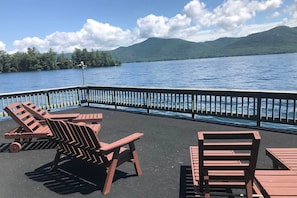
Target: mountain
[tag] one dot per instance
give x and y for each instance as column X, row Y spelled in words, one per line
column 277, row 40
column 156, row 49
column 281, row 39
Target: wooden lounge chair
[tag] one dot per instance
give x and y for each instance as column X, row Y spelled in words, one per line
column 224, row 161
column 41, row 114
column 29, row 127
column 80, row 141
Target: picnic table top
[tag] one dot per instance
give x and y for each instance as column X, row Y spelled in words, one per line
column 163, row 154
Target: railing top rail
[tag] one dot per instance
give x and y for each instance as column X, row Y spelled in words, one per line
column 193, row 90
column 211, row 91
column 38, row 91
column 265, row 93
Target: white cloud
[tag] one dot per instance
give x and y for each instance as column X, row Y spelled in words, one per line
column 197, row 12
column 266, row 5
column 275, row 14
column 153, row 26
column 197, row 23
column 104, row 35
column 93, row 35
column 292, row 10
column 233, row 18
column 2, row 46
column 27, row 42
column 230, row 14
column 159, row 26
column 179, row 26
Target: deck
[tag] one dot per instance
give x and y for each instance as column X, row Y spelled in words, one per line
column 163, row 154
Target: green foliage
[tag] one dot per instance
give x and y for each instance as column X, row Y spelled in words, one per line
column 94, row 58
column 33, row 60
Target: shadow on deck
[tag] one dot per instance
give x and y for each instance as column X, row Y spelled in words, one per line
column 163, row 153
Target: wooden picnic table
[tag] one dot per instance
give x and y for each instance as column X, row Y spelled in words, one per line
column 284, row 158
column 278, row 185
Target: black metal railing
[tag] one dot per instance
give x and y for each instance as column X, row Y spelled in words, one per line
column 259, row 106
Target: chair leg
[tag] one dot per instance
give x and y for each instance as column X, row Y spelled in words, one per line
column 110, row 172
column 249, row 189
column 135, row 159
column 207, row 188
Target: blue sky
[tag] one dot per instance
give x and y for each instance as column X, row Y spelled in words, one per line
column 63, row 25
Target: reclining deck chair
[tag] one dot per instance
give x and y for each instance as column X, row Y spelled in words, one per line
column 41, row 114
column 29, row 127
column 79, row 141
column 224, row 160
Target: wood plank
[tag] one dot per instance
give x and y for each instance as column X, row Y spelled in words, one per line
column 285, row 158
column 277, row 183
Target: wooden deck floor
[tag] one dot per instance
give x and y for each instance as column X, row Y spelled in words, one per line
column 163, row 152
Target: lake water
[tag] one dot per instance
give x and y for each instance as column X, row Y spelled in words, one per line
column 264, row 72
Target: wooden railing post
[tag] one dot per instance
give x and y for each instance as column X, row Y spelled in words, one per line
column 148, row 102
column 115, row 99
column 192, row 106
column 79, row 99
column 47, row 102
column 87, row 96
column 259, row 110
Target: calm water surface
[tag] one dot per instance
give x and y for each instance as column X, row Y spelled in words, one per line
column 267, row 72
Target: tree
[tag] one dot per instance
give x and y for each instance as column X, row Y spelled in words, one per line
column 16, row 62
column 94, row 58
column 63, row 62
column 33, row 60
column 48, row 60
column 76, row 56
column 5, row 61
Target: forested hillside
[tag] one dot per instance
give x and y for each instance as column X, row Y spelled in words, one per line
column 277, row 40
column 32, row 60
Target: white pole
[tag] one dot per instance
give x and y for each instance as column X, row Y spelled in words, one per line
column 83, row 66
column 83, row 75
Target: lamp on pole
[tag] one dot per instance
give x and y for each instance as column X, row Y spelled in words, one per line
column 83, row 66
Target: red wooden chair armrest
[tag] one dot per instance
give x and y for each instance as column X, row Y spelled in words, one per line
column 119, row 143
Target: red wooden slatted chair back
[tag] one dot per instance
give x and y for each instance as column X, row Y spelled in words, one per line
column 23, row 118
column 227, row 167
column 87, row 139
column 37, row 111
column 62, row 137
